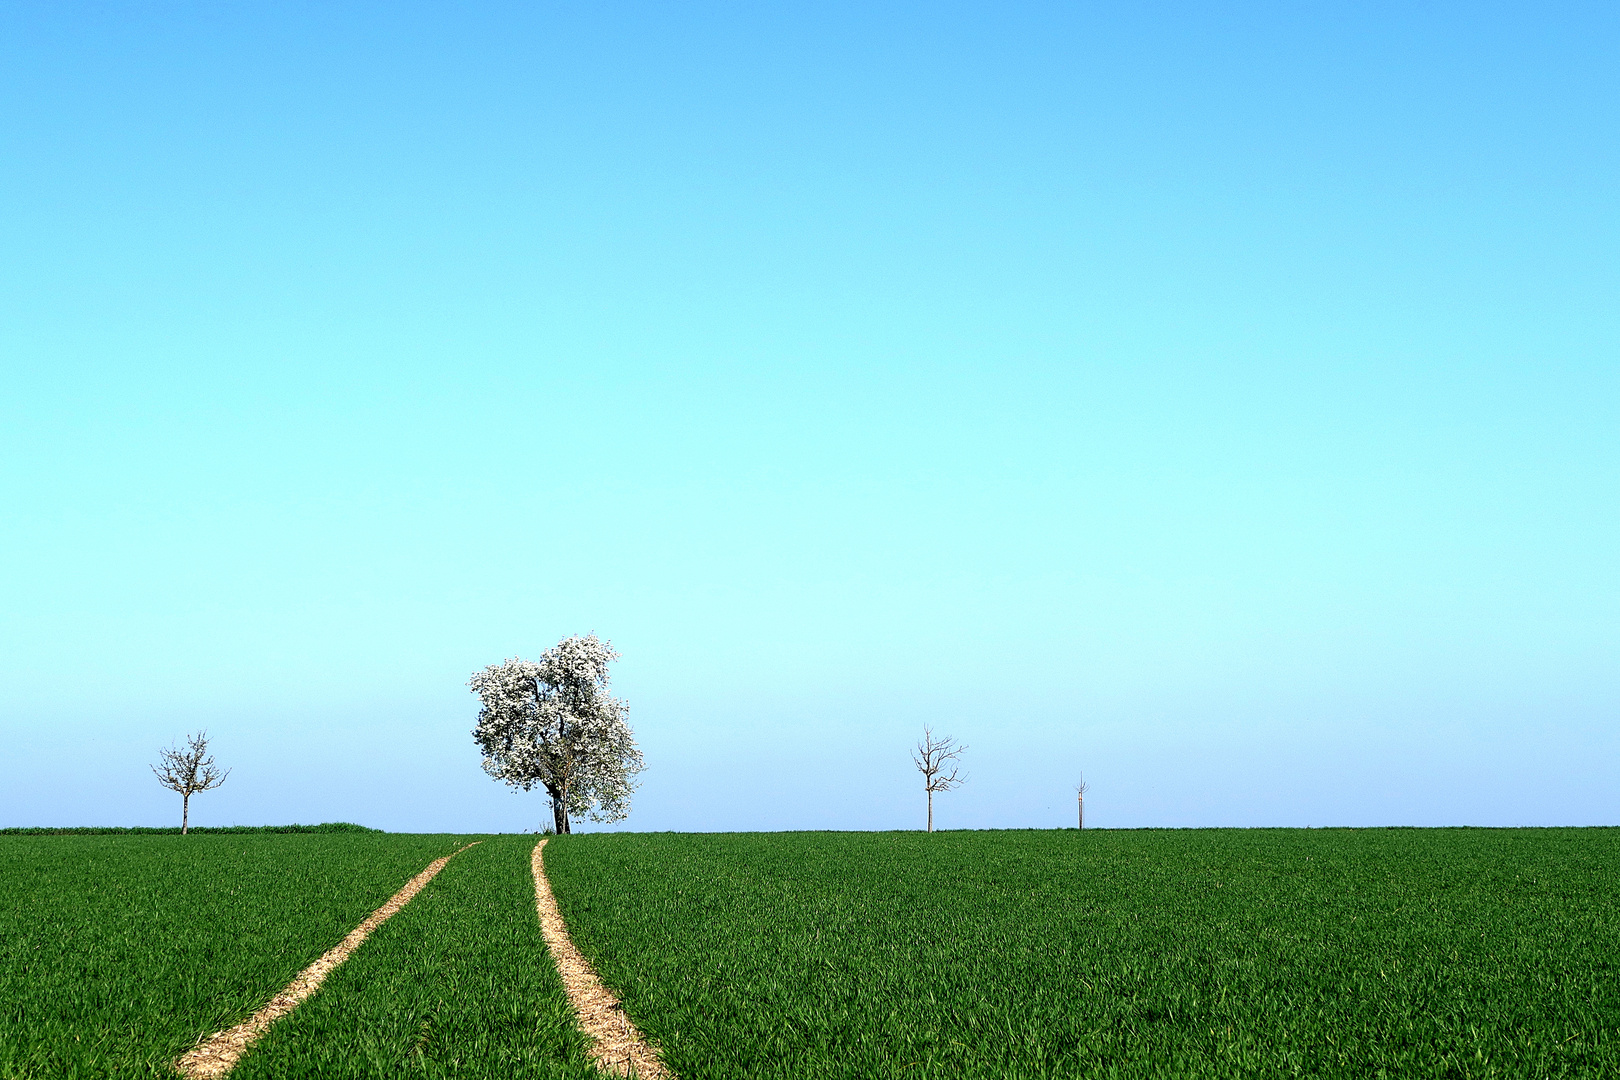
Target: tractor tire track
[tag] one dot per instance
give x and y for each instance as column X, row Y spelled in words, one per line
column 218, row 1054
column 617, row 1047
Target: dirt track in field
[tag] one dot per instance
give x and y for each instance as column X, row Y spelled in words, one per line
column 218, row 1054
column 616, row 1046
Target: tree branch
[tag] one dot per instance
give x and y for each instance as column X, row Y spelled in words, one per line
column 189, row 769
column 936, row 758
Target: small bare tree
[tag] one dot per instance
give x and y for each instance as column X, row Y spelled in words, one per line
column 1080, row 790
column 188, row 771
column 936, row 759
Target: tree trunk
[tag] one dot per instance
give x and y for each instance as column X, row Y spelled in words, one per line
column 930, row 809
column 559, row 814
column 185, row 812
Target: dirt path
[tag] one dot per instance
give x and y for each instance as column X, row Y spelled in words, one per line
column 218, row 1054
column 616, row 1046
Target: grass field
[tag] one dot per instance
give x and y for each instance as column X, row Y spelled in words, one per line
column 1344, row 953
column 1347, row 953
column 196, row 830
column 117, row 952
column 458, row 984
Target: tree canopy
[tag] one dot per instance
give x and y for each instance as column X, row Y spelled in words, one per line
column 552, row 722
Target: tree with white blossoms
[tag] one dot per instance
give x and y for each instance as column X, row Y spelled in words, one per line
column 551, row 722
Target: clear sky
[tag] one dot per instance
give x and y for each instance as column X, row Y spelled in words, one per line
column 1220, row 400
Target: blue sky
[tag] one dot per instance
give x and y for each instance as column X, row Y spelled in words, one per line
column 1218, row 400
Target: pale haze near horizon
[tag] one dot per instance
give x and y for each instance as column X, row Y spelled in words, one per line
column 1220, row 403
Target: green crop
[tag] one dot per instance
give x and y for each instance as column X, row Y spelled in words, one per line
column 117, row 953
column 174, row 830
column 1343, row 953
column 458, row 984
column 1209, row 953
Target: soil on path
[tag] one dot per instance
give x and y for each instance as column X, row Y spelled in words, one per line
column 616, row 1046
column 218, row 1054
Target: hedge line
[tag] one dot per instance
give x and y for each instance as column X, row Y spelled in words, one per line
column 174, row 830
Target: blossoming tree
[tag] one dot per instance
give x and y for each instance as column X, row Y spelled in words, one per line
column 551, row 722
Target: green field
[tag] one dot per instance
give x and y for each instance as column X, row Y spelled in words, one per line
column 175, row 830
column 1353, row 953
column 117, row 952
column 458, row 984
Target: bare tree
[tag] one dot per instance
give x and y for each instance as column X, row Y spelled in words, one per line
column 936, row 759
column 1080, row 790
column 188, row 771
